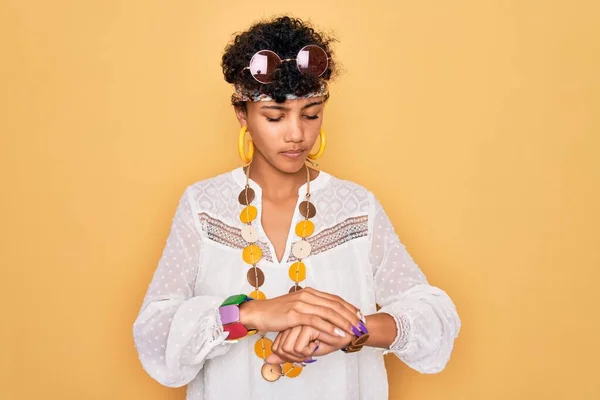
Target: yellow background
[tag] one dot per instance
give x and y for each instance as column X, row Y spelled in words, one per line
column 476, row 123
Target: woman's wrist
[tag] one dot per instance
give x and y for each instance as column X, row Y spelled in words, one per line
column 230, row 315
column 248, row 314
column 382, row 328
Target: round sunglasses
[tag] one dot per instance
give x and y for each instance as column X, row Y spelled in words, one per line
column 311, row 60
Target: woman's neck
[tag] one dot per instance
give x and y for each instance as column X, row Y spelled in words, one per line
column 274, row 183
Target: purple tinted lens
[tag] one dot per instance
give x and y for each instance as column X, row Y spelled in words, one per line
column 263, row 64
column 312, row 60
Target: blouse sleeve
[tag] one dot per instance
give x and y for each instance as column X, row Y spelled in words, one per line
column 177, row 330
column 426, row 319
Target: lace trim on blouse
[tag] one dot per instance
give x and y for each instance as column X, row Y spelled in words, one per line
column 350, row 229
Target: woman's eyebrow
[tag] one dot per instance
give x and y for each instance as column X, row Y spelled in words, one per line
column 314, row 103
column 282, row 108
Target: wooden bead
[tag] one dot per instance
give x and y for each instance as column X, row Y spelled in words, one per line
column 297, row 271
column 295, row 289
column 246, row 196
column 248, row 214
column 305, row 228
column 301, row 249
column 252, row 254
column 250, row 234
column 257, row 295
column 255, row 277
column 307, row 209
column 271, row 372
column 290, row 370
column 262, row 347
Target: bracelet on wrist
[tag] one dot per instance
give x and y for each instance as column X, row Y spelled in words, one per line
column 229, row 312
column 361, row 335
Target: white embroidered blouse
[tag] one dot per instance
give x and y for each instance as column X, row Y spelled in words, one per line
column 356, row 255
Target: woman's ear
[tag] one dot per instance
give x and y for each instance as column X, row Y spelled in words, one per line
column 241, row 114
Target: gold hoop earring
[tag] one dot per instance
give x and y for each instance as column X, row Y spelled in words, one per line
column 323, row 144
column 246, row 158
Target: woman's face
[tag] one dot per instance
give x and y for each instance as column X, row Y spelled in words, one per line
column 283, row 133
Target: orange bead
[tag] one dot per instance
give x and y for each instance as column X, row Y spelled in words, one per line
column 297, row 271
column 262, row 347
column 305, row 228
column 248, row 214
column 291, row 371
column 252, row 254
column 257, row 295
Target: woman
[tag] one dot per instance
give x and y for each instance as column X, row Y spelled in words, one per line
column 317, row 253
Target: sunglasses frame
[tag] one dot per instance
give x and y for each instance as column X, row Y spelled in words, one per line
column 281, row 61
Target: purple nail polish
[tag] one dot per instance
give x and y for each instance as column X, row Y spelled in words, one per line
column 312, row 360
column 316, row 348
column 356, row 331
column 362, row 327
column 361, row 316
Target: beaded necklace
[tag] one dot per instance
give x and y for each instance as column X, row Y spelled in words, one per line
column 252, row 254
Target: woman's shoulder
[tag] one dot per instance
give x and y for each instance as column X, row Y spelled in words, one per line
column 342, row 191
column 345, row 197
column 216, row 195
column 215, row 198
column 348, row 188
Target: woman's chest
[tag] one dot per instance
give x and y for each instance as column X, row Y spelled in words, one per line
column 338, row 262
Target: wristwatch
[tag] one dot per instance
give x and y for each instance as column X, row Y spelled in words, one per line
column 361, row 335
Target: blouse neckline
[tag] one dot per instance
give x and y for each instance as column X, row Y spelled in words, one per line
column 239, row 176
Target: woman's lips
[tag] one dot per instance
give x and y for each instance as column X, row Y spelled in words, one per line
column 293, row 153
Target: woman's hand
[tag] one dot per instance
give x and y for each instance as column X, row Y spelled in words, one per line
column 325, row 312
column 301, row 343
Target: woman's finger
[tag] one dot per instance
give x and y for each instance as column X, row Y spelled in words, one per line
column 278, row 340
column 332, row 297
column 274, row 359
column 331, row 310
column 278, row 346
column 289, row 346
column 318, row 323
column 306, row 344
column 342, row 327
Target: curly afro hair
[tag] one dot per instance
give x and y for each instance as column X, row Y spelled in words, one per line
column 285, row 36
